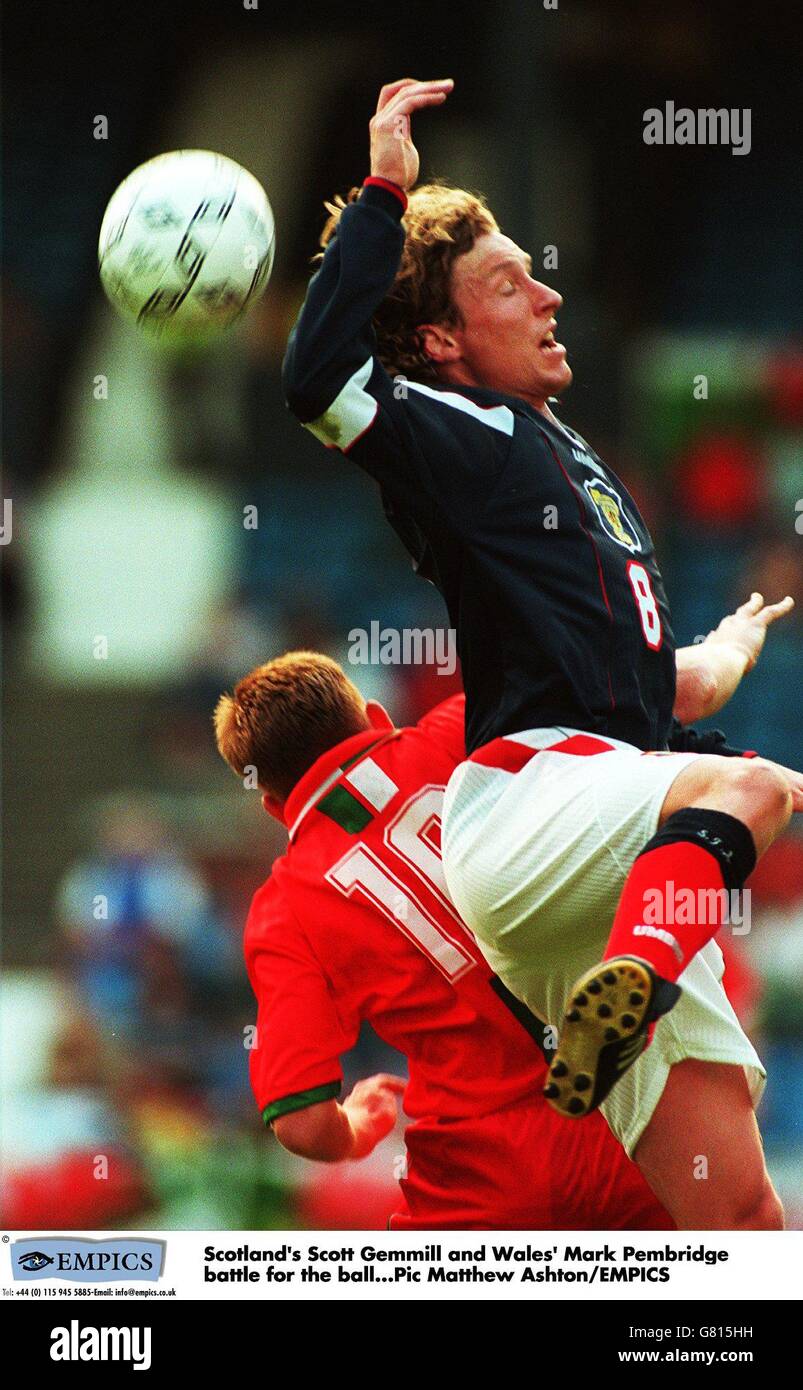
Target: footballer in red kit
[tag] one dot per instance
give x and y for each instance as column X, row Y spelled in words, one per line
column 355, row 923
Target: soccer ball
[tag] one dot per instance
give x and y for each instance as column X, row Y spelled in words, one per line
column 186, row 245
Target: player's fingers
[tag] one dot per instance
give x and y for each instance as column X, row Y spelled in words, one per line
column 752, row 606
column 391, row 88
column 777, row 610
column 410, row 99
column 406, row 85
column 397, row 1084
column 429, row 91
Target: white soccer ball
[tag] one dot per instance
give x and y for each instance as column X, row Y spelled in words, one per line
column 186, row 245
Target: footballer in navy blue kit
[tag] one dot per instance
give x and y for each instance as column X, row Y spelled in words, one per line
column 426, row 351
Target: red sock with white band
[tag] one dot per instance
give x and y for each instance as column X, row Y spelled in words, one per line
column 680, row 889
column 658, row 912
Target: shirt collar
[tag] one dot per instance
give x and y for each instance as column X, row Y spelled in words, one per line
column 326, row 770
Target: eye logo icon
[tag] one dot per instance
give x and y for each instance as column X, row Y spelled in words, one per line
column 34, row 1260
column 87, row 1261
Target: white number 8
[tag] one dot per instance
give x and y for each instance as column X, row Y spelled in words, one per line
column 647, row 606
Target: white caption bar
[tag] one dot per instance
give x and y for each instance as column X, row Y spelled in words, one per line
column 393, row 1265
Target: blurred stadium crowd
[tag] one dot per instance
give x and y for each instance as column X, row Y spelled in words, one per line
column 178, row 513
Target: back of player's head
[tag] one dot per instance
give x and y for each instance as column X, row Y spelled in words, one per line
column 284, row 715
column 440, row 224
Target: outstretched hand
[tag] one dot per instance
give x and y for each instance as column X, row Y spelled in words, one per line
column 746, row 629
column 709, row 672
column 393, row 154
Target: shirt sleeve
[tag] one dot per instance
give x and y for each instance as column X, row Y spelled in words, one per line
column 429, row 450
column 446, row 725
column 295, row 1057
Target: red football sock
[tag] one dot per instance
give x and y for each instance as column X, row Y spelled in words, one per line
column 669, row 908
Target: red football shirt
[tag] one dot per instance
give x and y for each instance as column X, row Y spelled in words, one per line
column 355, row 923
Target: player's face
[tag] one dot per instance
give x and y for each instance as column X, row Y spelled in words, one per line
column 507, row 338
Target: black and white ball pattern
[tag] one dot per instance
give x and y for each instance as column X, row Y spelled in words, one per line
column 186, row 245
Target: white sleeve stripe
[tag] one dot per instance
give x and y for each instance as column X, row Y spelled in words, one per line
column 353, row 410
column 372, row 782
column 351, row 413
column 499, row 417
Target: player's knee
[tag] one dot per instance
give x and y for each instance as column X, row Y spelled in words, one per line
column 752, row 789
column 766, row 788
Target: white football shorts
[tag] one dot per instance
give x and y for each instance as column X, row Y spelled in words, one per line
column 539, row 832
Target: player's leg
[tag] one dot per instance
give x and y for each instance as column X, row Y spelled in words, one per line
column 718, row 814
column 701, row 1152
column 536, row 861
column 751, row 789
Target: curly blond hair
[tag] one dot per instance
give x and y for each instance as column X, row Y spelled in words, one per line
column 440, row 224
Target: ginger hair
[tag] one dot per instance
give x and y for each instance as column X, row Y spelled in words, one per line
column 282, row 716
column 440, row 224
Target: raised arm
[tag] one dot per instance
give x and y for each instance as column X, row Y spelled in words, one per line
column 333, row 340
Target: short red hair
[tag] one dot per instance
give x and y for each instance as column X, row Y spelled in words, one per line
column 282, row 716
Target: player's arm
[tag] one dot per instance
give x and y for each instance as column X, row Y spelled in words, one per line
column 329, row 1132
column 331, row 348
column 709, row 672
column 302, row 1030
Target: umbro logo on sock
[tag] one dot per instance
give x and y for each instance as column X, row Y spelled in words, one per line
column 660, row 935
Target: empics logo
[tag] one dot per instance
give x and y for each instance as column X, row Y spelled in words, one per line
column 77, row 1343
column 90, row 1261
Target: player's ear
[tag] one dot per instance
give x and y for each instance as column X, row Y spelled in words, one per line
column 378, row 716
column 438, row 342
column 273, row 806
